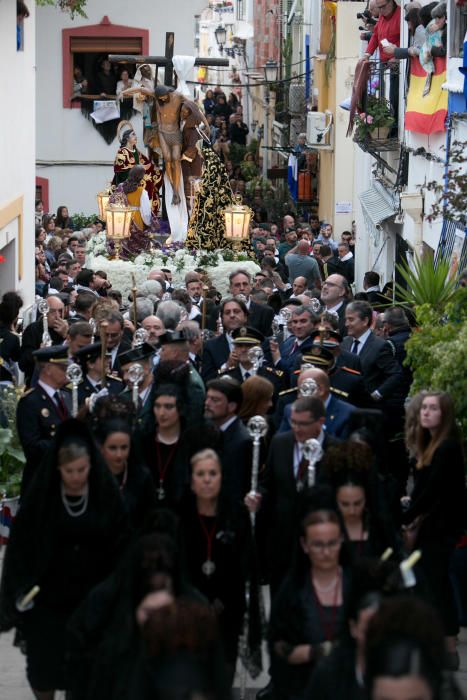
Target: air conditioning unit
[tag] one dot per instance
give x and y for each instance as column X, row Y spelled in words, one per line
column 318, row 129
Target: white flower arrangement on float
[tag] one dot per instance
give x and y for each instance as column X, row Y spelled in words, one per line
column 218, row 264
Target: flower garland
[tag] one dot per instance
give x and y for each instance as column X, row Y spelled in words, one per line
column 218, row 264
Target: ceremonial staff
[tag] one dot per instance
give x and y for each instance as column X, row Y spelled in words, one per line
column 312, row 451
column 257, row 427
column 74, row 374
column 134, row 290
column 103, row 334
column 203, row 311
column 44, row 309
column 135, row 375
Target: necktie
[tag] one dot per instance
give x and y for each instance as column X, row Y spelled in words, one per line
column 355, row 345
column 301, row 473
column 247, row 375
column 61, row 407
column 294, row 348
column 98, row 386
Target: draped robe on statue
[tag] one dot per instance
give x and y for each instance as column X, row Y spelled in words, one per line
column 126, row 159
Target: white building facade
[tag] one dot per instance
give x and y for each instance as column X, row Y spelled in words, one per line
column 17, row 145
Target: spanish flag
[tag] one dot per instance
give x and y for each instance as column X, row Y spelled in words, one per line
column 426, row 115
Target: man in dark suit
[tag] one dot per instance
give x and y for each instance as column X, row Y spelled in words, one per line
column 346, row 261
column 116, row 343
column 260, row 316
column 334, row 295
column 216, row 352
column 89, row 358
column 43, row 408
column 223, row 401
column 381, row 371
column 141, row 355
column 32, row 336
column 337, row 412
column 302, row 325
column 375, row 297
column 282, row 482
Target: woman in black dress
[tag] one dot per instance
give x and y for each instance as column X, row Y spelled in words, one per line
column 218, row 551
column 132, row 477
column 67, row 536
column 307, row 615
column 365, row 516
column 168, row 443
column 437, row 512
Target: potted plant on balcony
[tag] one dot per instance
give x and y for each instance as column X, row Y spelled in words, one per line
column 375, row 122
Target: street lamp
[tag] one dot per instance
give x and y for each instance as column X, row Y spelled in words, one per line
column 221, row 37
column 270, row 75
column 270, row 71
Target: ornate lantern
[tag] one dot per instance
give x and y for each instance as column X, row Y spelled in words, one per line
column 118, row 219
column 103, row 200
column 237, row 222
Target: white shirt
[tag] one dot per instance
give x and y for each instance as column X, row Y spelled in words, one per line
column 143, row 395
column 336, row 308
column 373, row 289
column 92, row 381
column 49, row 390
column 251, row 372
column 227, row 423
column 346, row 257
column 361, row 341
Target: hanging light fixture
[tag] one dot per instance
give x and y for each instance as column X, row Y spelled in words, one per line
column 118, row 219
column 270, row 71
column 237, row 222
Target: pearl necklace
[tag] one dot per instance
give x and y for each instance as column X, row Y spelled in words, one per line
column 72, row 508
column 329, row 587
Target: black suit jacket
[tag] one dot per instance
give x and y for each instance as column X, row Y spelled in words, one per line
column 31, row 340
column 37, row 419
column 378, row 301
column 215, row 353
column 235, row 454
column 123, row 347
column 281, row 503
column 381, row 371
column 260, row 316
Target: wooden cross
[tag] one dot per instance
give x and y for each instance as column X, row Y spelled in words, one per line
column 166, row 61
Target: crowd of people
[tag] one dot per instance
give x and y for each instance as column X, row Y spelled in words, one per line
column 138, row 561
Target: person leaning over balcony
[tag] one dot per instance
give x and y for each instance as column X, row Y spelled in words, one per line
column 417, row 34
column 387, row 27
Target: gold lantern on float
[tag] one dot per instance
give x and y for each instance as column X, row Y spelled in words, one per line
column 237, row 222
column 118, row 220
column 103, row 200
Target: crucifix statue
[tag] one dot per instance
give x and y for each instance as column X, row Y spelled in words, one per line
column 166, row 108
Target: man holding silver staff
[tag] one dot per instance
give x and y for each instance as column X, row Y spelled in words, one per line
column 89, row 358
column 42, row 409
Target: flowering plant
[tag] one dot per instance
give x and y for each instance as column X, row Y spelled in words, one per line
column 218, row 265
column 378, row 115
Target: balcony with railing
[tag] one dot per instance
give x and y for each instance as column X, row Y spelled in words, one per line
column 376, row 116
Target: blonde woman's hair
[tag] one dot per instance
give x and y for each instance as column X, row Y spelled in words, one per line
column 200, row 456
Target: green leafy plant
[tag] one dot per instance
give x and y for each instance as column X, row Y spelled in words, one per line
column 82, row 220
column 11, row 454
column 378, row 115
column 436, row 351
column 426, row 283
column 73, row 7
